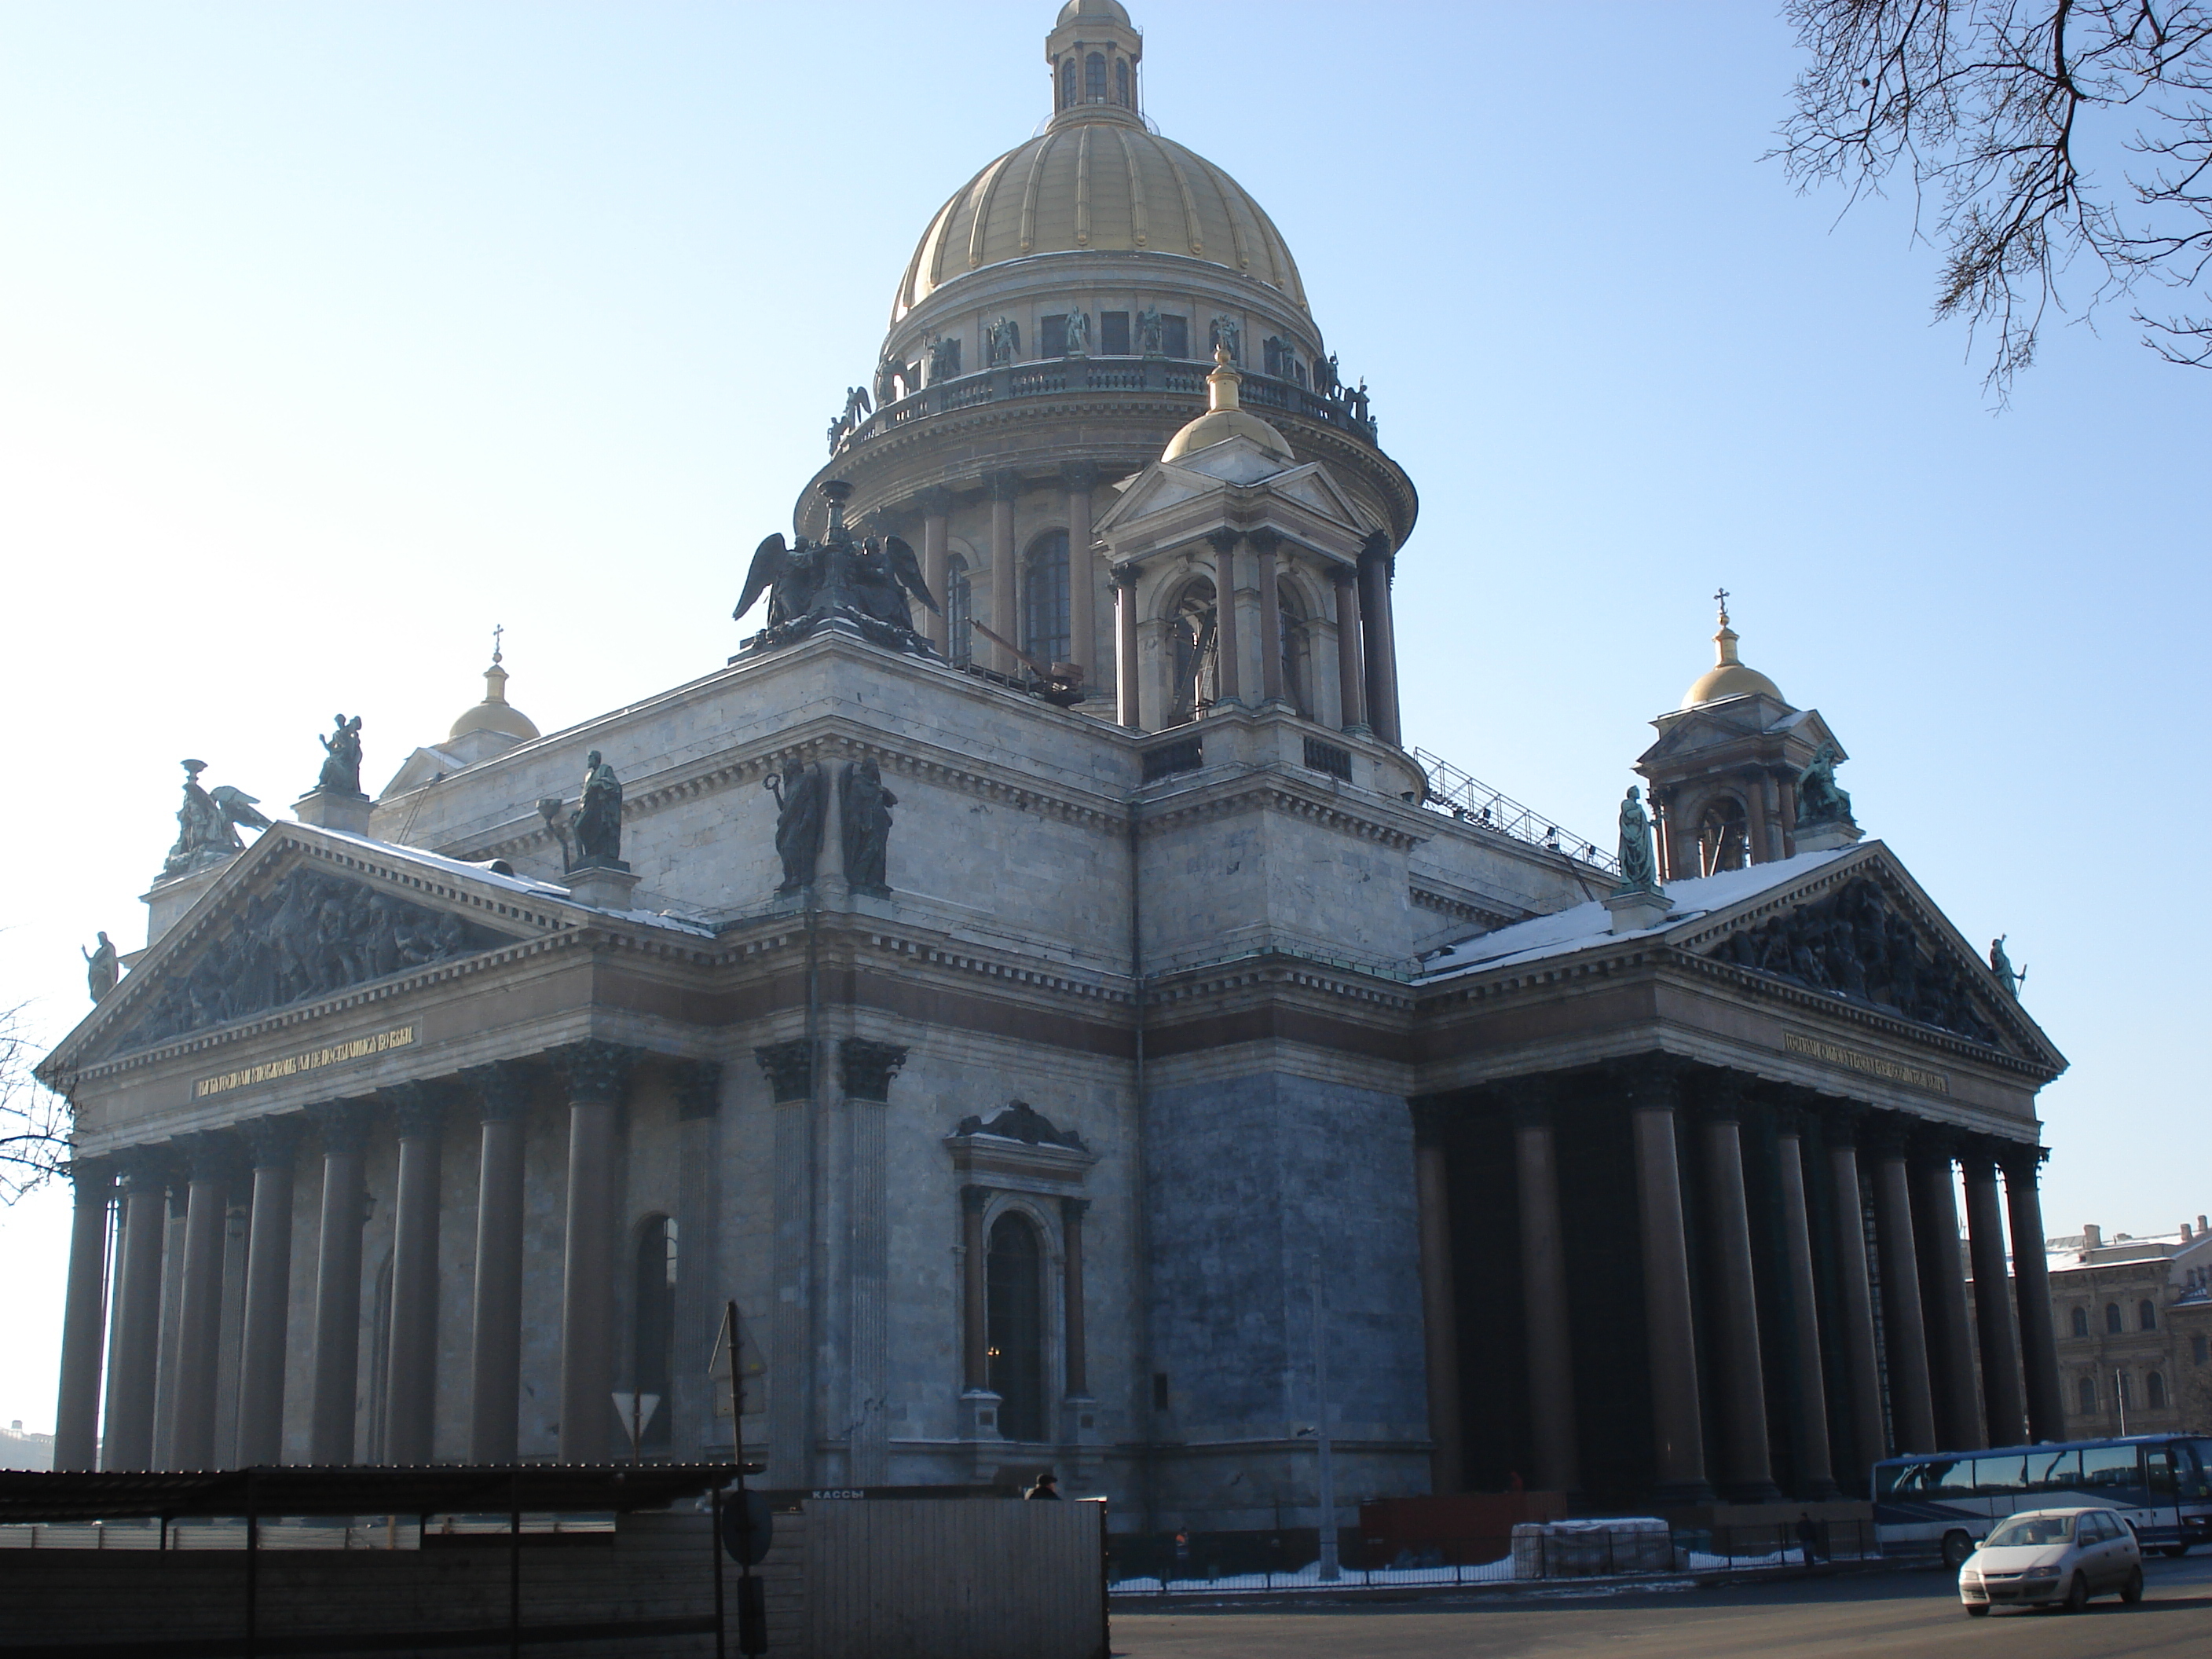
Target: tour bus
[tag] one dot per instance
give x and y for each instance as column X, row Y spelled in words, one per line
column 2162, row 1483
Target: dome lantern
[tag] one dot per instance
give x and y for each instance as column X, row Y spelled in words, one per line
column 494, row 714
column 1729, row 676
column 1093, row 52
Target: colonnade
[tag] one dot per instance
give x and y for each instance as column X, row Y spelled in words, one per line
column 259, row 1157
column 1366, row 644
column 1845, row 1325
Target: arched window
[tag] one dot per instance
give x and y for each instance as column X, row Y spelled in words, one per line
column 959, row 612
column 1296, row 640
column 1122, row 81
column 1014, row 1312
column 2081, row 1321
column 2114, row 1325
column 1044, row 597
column 2146, row 1315
column 1094, row 79
column 1193, row 626
column 2154, row 1389
column 653, row 1347
column 1067, row 83
column 1723, row 836
column 2087, row 1395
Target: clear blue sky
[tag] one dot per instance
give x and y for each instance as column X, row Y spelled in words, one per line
column 331, row 334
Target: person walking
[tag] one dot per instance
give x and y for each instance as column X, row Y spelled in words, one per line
column 1046, row 1486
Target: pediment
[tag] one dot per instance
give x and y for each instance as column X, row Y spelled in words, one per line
column 1862, row 930
column 283, row 926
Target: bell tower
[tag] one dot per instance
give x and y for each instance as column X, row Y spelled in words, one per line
column 1093, row 52
column 1729, row 775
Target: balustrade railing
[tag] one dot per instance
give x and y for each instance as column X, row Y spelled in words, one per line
column 1039, row 380
column 1470, row 801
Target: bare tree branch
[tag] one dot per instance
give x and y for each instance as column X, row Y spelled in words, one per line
column 35, row 1123
column 2006, row 115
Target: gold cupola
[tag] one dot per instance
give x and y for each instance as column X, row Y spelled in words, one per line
column 1729, row 676
column 1225, row 419
column 494, row 714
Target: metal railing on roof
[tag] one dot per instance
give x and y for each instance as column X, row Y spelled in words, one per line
column 1475, row 803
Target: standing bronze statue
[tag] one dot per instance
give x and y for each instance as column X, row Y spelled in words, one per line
column 801, row 797
column 596, row 824
column 2000, row 964
column 865, row 805
column 103, row 966
column 341, row 773
column 1639, row 870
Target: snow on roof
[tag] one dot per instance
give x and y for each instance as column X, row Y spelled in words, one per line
column 1587, row 924
column 515, row 883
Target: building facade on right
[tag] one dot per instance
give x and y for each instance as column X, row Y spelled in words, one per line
column 2134, row 1323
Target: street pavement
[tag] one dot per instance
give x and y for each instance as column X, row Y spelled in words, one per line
column 1893, row 1615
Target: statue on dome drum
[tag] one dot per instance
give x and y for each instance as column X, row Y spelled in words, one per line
column 596, row 824
column 857, row 410
column 1078, row 334
column 865, row 585
column 1003, row 340
column 341, row 772
column 1639, row 869
column 1148, row 331
column 1227, row 331
column 1820, row 800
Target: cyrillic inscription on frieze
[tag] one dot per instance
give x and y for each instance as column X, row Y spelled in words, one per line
column 307, row 1060
column 1881, row 1066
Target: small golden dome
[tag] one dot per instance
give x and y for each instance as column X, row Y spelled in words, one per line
column 1112, row 10
column 1728, row 677
column 494, row 712
column 1225, row 419
column 1097, row 182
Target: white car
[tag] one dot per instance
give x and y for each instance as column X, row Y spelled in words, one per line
column 2052, row 1557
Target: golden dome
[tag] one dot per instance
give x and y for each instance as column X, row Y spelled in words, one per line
column 494, row 712
column 1077, row 10
column 1728, row 677
column 1224, row 418
column 1096, row 181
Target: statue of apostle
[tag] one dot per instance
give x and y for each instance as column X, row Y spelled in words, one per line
column 597, row 825
column 867, row 826
column 103, row 966
column 1640, row 871
column 801, row 801
column 341, row 773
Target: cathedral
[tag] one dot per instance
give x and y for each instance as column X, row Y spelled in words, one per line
column 1035, row 981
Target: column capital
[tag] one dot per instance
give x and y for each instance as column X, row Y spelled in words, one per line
column 789, row 1067
column 1344, row 575
column 597, row 1072
column 2022, row 1162
column 1265, row 540
column 272, row 1141
column 698, row 1089
column 90, row 1175
column 1527, row 1100
column 974, row 1199
column 1080, row 476
column 418, row 1109
column 1004, row 485
column 1223, row 540
column 1071, row 1211
column 502, row 1088
column 1432, row 1119
column 936, row 501
column 144, row 1168
column 866, row 1068
column 1724, row 1096
column 1652, row 1083
column 1377, row 550
column 1125, row 575
column 1932, row 1144
column 342, row 1126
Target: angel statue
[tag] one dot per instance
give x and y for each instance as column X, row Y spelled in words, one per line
column 208, row 825
column 341, row 773
column 866, row 583
column 1820, row 800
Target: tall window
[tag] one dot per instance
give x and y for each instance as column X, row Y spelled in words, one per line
column 1067, row 83
column 2088, row 1395
column 2200, row 1349
column 1298, row 667
column 2147, row 1316
column 1193, row 624
column 1014, row 1316
column 1044, row 597
column 1122, row 81
column 1175, row 336
column 652, row 1366
column 1723, row 837
column 2081, row 1321
column 1094, row 79
column 959, row 612
column 1113, row 333
column 2114, row 1325
column 2154, row 1389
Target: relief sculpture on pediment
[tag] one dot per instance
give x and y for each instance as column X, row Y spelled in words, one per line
column 307, row 936
column 1854, row 944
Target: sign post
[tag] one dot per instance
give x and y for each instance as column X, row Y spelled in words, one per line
column 746, row 1524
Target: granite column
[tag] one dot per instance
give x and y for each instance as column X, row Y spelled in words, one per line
column 199, row 1311
column 1855, row 1318
column 1439, row 1303
column 495, row 1325
column 1379, row 646
column 1081, row 477
column 1544, row 1290
column 1006, row 619
column 2039, row 1346
column 1816, row 1478
column 1129, row 706
column 1678, row 1423
column 1228, row 652
column 1351, row 666
column 344, row 1127
column 135, row 1357
column 936, row 561
column 1911, row 1405
column 1747, row 1468
column 1943, row 1298
column 2002, row 1398
column 1264, row 543
column 84, row 1315
column 411, row 1375
column 598, row 1075
column 272, row 1141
